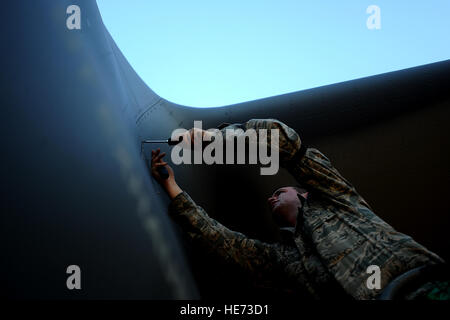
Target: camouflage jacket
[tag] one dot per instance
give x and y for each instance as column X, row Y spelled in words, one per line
column 336, row 239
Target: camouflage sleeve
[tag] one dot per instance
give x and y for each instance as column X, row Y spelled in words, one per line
column 309, row 166
column 315, row 171
column 344, row 231
column 289, row 140
column 254, row 256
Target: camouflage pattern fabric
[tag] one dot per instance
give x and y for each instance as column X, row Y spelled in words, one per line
column 336, row 238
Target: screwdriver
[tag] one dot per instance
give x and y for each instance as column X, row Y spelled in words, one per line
column 162, row 170
column 170, row 142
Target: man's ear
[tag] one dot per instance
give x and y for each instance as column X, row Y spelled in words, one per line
column 304, row 195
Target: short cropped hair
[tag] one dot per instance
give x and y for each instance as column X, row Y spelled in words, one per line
column 300, row 190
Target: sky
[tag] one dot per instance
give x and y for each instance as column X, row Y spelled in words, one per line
column 208, row 53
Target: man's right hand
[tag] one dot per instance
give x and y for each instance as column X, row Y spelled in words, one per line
column 195, row 134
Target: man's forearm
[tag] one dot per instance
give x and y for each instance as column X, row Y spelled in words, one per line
column 172, row 189
column 252, row 255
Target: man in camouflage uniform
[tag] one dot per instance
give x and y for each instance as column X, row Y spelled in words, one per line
column 331, row 235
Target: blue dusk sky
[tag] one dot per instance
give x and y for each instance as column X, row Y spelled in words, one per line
column 213, row 53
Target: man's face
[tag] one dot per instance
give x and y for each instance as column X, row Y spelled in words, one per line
column 284, row 204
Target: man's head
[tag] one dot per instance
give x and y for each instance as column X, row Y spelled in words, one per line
column 285, row 203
